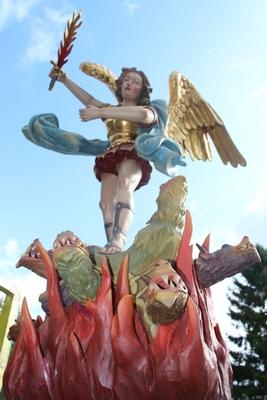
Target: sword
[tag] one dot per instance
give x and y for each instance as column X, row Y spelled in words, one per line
column 66, row 44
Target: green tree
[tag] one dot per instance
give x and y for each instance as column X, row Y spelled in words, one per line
column 248, row 311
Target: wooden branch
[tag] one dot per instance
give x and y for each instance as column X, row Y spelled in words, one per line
column 228, row 261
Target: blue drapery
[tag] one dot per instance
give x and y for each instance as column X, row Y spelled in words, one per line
column 151, row 144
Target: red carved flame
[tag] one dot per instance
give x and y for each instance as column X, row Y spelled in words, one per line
column 102, row 351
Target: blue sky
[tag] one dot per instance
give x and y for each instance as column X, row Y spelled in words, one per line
column 219, row 45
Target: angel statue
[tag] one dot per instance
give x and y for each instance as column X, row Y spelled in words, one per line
column 140, row 132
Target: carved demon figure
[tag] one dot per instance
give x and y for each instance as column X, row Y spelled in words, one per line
column 137, row 324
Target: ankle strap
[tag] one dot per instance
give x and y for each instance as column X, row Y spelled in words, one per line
column 121, row 205
column 116, row 228
column 108, row 225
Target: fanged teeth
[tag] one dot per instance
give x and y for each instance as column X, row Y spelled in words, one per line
column 33, row 253
column 165, row 278
column 173, row 285
column 246, row 246
column 65, row 242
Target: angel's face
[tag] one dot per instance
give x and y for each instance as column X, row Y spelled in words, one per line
column 131, row 87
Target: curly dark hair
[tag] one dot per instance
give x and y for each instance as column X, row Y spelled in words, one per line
column 144, row 99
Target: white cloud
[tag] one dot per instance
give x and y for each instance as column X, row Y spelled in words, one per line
column 41, row 45
column 131, row 6
column 259, row 202
column 11, row 248
column 9, row 253
column 28, row 284
column 17, row 9
column 46, row 33
column 45, row 29
column 57, row 17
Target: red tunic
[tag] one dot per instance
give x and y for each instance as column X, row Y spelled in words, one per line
column 121, row 135
column 112, row 158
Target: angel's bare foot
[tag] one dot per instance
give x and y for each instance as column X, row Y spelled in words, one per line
column 116, row 245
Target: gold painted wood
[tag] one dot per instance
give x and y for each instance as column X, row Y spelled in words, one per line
column 192, row 121
column 101, row 73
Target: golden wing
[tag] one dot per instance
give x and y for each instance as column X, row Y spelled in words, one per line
column 101, row 73
column 191, row 119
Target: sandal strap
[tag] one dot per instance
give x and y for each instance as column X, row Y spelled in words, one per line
column 121, row 205
column 107, row 225
column 116, row 228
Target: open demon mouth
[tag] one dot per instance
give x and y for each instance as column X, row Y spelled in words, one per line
column 66, row 240
column 244, row 245
column 169, row 284
column 167, row 306
column 33, row 253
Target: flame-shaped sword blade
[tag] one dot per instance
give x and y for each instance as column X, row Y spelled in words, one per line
column 66, row 44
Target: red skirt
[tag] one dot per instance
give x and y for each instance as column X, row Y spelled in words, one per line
column 111, row 159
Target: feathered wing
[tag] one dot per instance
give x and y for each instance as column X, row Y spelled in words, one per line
column 101, row 73
column 191, row 119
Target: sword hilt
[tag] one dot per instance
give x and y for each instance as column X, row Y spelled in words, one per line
column 55, row 78
column 52, row 83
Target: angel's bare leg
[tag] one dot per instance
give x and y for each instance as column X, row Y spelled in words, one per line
column 108, row 201
column 129, row 176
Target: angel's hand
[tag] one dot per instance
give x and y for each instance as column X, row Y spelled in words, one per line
column 89, row 113
column 58, row 74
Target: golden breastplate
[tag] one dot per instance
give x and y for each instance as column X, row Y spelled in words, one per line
column 120, row 132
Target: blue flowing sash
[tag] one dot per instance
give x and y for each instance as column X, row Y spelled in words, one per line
column 151, row 144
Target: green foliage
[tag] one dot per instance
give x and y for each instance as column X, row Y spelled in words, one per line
column 249, row 313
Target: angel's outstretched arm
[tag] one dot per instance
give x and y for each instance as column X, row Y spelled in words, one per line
column 81, row 94
column 138, row 114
